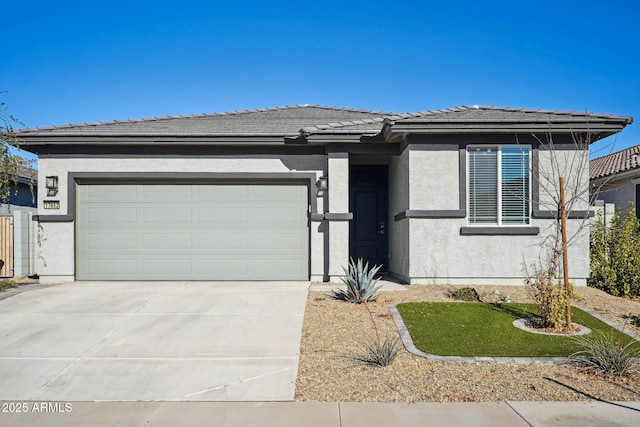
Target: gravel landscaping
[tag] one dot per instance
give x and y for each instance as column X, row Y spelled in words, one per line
column 334, row 331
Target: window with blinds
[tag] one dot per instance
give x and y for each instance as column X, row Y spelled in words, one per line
column 499, row 185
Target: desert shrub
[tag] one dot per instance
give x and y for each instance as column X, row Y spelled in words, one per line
column 550, row 298
column 465, row 294
column 6, row 284
column 360, row 282
column 605, row 353
column 615, row 255
column 378, row 352
column 381, row 353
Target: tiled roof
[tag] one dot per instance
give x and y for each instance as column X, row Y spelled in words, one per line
column 278, row 121
column 621, row 161
column 483, row 113
column 291, row 121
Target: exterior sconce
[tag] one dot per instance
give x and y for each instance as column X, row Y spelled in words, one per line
column 322, row 185
column 52, row 185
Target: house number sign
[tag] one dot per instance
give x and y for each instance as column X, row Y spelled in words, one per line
column 51, row 204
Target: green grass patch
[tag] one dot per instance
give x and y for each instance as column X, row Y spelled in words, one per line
column 6, row 284
column 483, row 329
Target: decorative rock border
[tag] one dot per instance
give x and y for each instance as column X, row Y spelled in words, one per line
column 411, row 348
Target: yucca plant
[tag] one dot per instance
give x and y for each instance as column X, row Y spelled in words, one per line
column 603, row 352
column 360, row 282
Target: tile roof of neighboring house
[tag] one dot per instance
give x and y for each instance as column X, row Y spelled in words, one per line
column 306, row 119
column 621, row 161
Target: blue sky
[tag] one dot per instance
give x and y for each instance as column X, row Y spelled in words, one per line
column 72, row 62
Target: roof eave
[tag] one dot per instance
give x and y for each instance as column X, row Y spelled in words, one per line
column 596, row 131
column 324, row 138
column 189, row 139
column 616, row 176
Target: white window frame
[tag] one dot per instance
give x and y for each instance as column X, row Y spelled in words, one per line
column 499, row 223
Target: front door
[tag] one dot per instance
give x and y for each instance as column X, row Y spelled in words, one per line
column 368, row 202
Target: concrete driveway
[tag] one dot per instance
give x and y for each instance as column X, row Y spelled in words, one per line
column 210, row 341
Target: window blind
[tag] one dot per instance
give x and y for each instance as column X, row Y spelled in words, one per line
column 515, row 185
column 483, row 183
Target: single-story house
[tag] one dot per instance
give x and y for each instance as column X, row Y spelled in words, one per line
column 615, row 179
column 291, row 193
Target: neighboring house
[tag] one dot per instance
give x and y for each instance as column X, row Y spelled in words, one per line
column 615, row 179
column 21, row 197
column 17, row 230
column 291, row 193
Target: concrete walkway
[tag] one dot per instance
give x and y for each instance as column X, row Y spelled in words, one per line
column 279, row 414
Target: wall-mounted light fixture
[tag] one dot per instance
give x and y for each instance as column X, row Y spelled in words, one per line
column 322, row 185
column 52, row 185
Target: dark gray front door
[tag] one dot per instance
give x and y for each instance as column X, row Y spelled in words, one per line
column 368, row 203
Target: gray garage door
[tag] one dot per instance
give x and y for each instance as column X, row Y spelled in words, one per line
column 165, row 231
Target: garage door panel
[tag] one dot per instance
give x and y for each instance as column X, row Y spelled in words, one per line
column 166, row 215
column 104, row 215
column 166, row 242
column 113, row 267
column 110, row 241
column 284, row 193
column 282, row 243
column 222, row 193
column 221, row 242
column 221, row 215
column 168, row 193
column 219, row 232
column 278, row 216
column 223, row 270
column 166, row 266
column 271, row 267
column 109, row 192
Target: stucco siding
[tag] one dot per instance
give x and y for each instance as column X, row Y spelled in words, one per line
column 620, row 192
column 440, row 255
column 398, row 202
column 573, row 165
column 434, row 177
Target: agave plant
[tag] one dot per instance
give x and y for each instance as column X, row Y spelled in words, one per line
column 360, row 282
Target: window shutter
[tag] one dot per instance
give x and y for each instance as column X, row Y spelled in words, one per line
column 515, row 185
column 483, row 185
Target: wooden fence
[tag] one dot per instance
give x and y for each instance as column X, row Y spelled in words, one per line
column 6, row 246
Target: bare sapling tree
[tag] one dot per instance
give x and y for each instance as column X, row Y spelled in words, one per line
column 563, row 183
column 12, row 165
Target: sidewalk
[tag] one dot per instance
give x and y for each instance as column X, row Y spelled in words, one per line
column 325, row 414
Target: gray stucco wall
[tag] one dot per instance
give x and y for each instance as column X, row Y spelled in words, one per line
column 398, row 202
column 620, row 191
column 433, row 177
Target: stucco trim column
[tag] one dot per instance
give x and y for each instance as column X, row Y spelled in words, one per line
column 338, row 178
